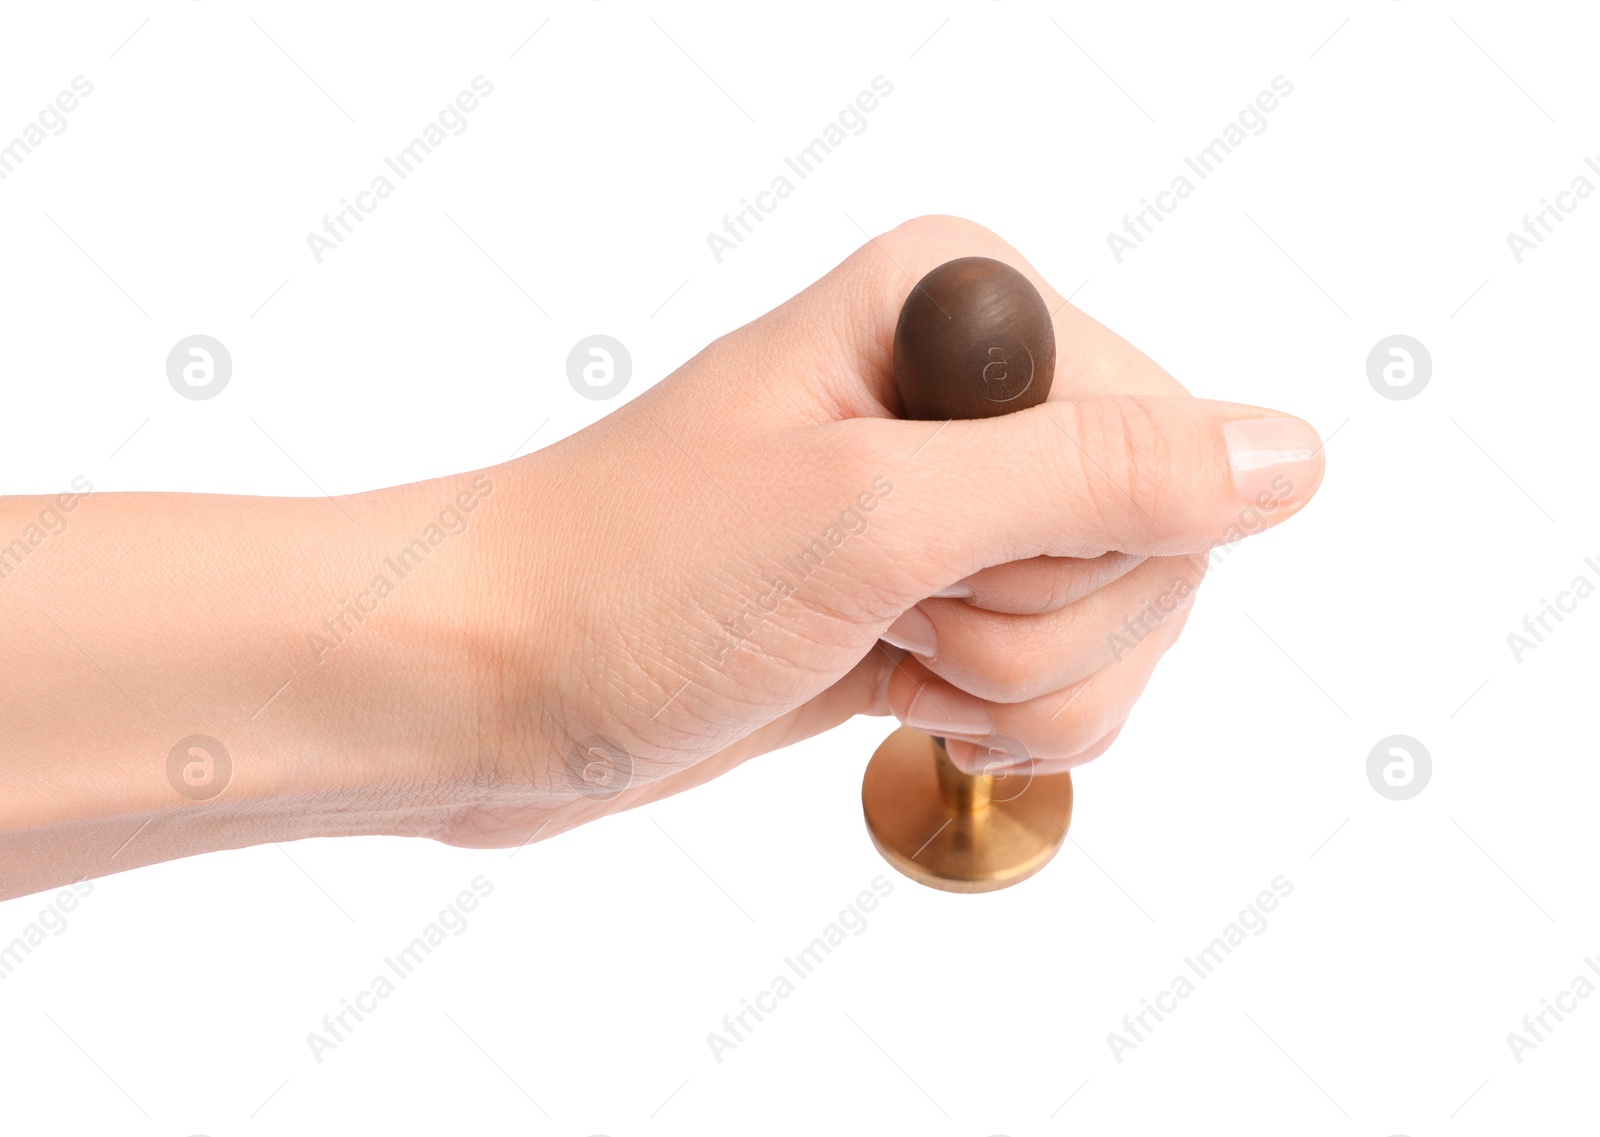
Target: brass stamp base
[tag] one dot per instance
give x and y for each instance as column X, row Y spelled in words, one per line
column 960, row 832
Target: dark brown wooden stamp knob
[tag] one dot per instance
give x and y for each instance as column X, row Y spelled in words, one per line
column 974, row 340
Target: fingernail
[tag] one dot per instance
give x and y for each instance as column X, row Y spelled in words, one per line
column 913, row 631
column 951, row 711
column 1273, row 459
column 957, row 591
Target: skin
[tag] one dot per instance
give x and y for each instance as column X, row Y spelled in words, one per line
column 564, row 651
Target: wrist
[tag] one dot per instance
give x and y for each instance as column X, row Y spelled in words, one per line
column 383, row 721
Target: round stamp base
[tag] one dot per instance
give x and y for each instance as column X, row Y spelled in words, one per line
column 1009, row 838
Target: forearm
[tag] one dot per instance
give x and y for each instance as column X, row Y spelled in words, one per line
column 318, row 646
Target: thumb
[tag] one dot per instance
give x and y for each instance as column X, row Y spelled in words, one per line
column 1148, row 475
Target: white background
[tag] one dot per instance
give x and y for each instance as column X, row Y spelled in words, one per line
column 1418, row 934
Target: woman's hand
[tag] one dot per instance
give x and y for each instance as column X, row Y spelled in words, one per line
column 757, row 549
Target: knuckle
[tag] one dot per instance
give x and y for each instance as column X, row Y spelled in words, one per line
column 1003, row 672
column 1060, row 589
column 938, row 230
column 1058, row 739
column 1121, row 456
column 1046, row 592
column 1078, row 721
column 1030, row 587
column 1038, row 596
column 915, row 246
